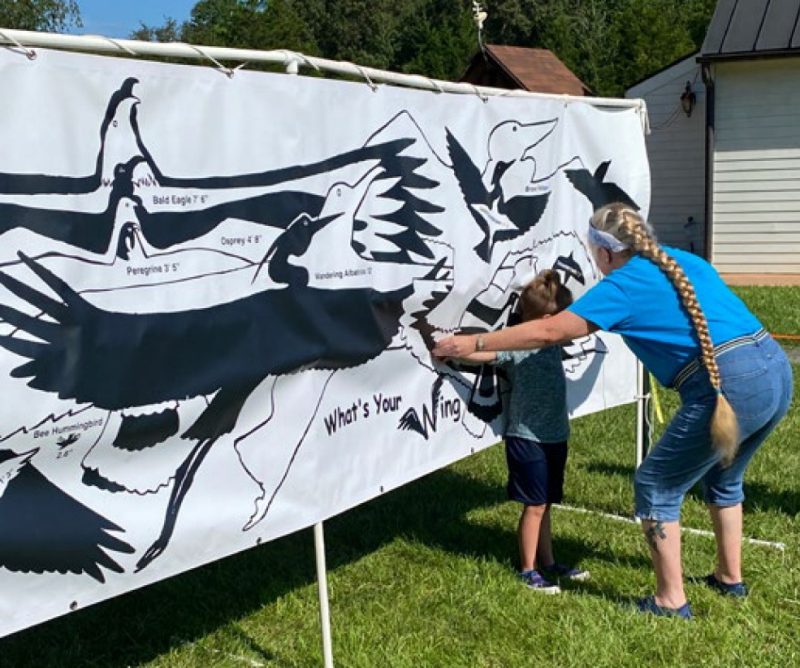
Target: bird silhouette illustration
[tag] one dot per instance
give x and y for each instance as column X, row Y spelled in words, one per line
column 596, row 189
column 84, row 216
column 107, row 358
column 118, row 145
column 46, row 530
column 569, row 269
column 411, row 421
column 500, row 215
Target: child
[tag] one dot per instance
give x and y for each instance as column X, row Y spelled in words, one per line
column 537, row 428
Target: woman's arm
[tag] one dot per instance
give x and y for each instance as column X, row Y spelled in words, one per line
column 531, row 334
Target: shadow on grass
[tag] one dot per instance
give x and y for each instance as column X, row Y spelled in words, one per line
column 139, row 626
column 759, row 495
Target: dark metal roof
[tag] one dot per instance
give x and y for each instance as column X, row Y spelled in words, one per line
column 753, row 28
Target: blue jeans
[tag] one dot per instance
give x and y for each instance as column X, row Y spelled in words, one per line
column 757, row 381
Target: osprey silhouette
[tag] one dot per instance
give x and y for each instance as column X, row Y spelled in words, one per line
column 596, row 189
column 47, row 531
column 108, row 359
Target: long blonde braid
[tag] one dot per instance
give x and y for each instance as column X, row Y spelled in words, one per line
column 629, row 227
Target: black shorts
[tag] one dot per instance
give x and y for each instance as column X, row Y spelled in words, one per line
column 535, row 471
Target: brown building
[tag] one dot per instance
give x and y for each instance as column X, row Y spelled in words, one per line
column 517, row 67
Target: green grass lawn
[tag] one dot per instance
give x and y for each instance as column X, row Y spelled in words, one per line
column 424, row 576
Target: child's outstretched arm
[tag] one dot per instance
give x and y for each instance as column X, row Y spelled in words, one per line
column 478, row 358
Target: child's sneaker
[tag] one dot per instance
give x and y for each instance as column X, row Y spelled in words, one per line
column 737, row 589
column 557, row 571
column 533, row 579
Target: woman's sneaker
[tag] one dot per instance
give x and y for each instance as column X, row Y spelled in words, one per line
column 737, row 589
column 649, row 606
column 533, row 579
column 562, row 571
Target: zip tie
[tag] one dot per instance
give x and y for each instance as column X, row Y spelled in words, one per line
column 29, row 53
column 227, row 71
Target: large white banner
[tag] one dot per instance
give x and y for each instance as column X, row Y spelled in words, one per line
column 217, row 298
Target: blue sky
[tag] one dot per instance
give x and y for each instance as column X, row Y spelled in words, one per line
column 118, row 18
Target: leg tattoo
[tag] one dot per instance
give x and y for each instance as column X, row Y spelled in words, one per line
column 653, row 533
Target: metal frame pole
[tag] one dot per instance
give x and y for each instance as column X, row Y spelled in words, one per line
column 324, row 607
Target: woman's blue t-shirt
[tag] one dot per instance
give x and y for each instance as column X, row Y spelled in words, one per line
column 639, row 302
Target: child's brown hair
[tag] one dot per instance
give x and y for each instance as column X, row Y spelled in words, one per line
column 544, row 295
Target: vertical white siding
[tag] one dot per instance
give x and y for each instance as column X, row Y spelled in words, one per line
column 676, row 149
column 756, row 199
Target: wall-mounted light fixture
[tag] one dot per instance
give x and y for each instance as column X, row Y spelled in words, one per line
column 688, row 99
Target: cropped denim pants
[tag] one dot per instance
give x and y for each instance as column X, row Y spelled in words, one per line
column 757, row 381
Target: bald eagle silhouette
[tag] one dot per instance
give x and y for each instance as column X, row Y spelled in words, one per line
column 47, row 531
column 271, row 197
column 115, row 121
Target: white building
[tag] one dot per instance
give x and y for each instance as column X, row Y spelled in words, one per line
column 740, row 149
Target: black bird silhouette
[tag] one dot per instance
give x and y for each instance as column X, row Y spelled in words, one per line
column 571, row 269
column 89, row 230
column 596, row 189
column 84, row 225
column 33, row 184
column 109, row 359
column 163, row 229
column 47, row 531
column 410, row 421
column 499, row 219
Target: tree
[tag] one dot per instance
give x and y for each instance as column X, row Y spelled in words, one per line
column 609, row 44
column 43, row 15
column 247, row 24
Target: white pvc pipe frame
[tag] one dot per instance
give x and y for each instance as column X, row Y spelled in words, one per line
column 292, row 61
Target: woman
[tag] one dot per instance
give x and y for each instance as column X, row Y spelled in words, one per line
column 696, row 336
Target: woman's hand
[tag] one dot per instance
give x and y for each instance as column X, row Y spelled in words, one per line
column 455, row 346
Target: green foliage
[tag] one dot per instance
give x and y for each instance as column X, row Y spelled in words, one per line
column 43, row 15
column 246, row 24
column 777, row 307
column 609, row 44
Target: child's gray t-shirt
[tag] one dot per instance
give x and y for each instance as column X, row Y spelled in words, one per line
column 537, row 406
